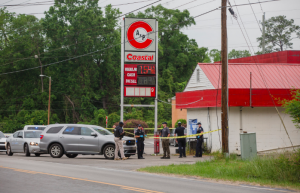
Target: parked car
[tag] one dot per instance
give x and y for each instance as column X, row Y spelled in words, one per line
column 2, row 142
column 74, row 139
column 34, row 127
column 24, row 142
column 173, row 140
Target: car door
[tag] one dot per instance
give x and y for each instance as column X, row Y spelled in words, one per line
column 20, row 142
column 13, row 142
column 88, row 143
column 70, row 138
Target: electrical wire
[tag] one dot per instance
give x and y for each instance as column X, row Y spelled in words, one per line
column 255, row 15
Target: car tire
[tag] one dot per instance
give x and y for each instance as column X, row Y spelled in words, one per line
column 71, row 155
column 56, row 150
column 9, row 152
column 26, row 150
column 109, row 152
column 37, row 154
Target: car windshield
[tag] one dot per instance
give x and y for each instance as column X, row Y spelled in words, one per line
column 32, row 134
column 2, row 135
column 102, row 131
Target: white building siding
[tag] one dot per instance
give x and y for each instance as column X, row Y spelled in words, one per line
column 263, row 121
column 194, row 84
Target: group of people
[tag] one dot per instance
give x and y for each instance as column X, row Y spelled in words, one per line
column 164, row 133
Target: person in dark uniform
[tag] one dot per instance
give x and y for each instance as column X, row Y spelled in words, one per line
column 181, row 141
column 165, row 132
column 199, row 141
column 140, row 136
column 119, row 134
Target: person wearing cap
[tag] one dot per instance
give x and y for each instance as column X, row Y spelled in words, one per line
column 140, row 136
column 181, row 141
column 199, row 140
column 119, row 134
column 165, row 132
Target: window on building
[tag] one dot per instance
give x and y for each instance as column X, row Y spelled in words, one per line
column 198, row 75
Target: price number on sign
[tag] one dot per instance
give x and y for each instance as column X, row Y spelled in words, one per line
column 145, row 69
column 144, row 80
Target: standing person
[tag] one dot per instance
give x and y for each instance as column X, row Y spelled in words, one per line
column 165, row 132
column 140, row 136
column 199, row 141
column 119, row 133
column 181, row 141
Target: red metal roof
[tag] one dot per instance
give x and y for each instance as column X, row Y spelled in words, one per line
column 288, row 56
column 271, row 76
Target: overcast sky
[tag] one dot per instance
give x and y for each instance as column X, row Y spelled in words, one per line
column 207, row 31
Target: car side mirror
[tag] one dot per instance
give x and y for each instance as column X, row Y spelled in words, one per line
column 94, row 134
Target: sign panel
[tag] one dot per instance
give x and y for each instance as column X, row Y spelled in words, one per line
column 140, row 34
column 130, row 74
column 134, row 91
column 146, row 69
column 146, row 80
column 140, row 57
column 193, row 126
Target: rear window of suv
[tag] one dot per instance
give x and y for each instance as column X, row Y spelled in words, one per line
column 54, row 130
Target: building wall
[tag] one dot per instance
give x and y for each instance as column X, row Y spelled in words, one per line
column 264, row 121
column 194, row 84
column 177, row 113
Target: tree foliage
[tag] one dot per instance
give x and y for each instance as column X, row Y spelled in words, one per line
column 292, row 107
column 279, row 34
column 238, row 54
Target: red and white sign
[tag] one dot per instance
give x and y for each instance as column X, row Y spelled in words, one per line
column 140, row 34
column 139, row 91
column 130, row 76
column 139, row 56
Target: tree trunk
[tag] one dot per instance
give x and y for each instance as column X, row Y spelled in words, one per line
column 75, row 114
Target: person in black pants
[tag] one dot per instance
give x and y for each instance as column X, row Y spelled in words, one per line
column 199, row 141
column 181, row 141
column 140, row 136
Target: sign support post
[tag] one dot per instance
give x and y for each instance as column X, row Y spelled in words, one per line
column 122, row 69
column 156, row 94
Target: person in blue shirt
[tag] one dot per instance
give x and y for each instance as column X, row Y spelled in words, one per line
column 199, row 140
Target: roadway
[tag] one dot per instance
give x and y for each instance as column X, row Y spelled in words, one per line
column 96, row 174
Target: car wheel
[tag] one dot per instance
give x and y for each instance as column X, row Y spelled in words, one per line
column 37, row 154
column 109, row 152
column 56, row 150
column 26, row 150
column 71, row 155
column 9, row 152
column 127, row 155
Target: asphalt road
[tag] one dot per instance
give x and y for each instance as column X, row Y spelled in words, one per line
column 96, row 174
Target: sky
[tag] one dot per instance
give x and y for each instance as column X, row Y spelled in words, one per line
column 207, row 31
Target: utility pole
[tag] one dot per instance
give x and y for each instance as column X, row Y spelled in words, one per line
column 224, row 62
column 49, row 100
column 263, row 33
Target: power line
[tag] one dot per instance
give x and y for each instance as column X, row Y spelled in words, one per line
column 255, row 15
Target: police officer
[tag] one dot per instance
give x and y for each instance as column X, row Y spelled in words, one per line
column 140, row 136
column 119, row 134
column 181, row 141
column 199, row 141
column 165, row 132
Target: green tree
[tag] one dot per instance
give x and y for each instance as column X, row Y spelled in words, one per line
column 215, row 54
column 292, row 107
column 279, row 34
column 238, row 54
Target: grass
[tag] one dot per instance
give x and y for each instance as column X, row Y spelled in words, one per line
column 278, row 170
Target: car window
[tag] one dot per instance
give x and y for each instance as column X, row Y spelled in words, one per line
column 36, row 128
column 2, row 135
column 86, row 131
column 16, row 135
column 72, row 131
column 102, row 131
column 54, row 130
column 20, row 134
column 32, row 134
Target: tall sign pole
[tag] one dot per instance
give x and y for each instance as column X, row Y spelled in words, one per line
column 122, row 70
column 224, row 61
column 155, row 108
